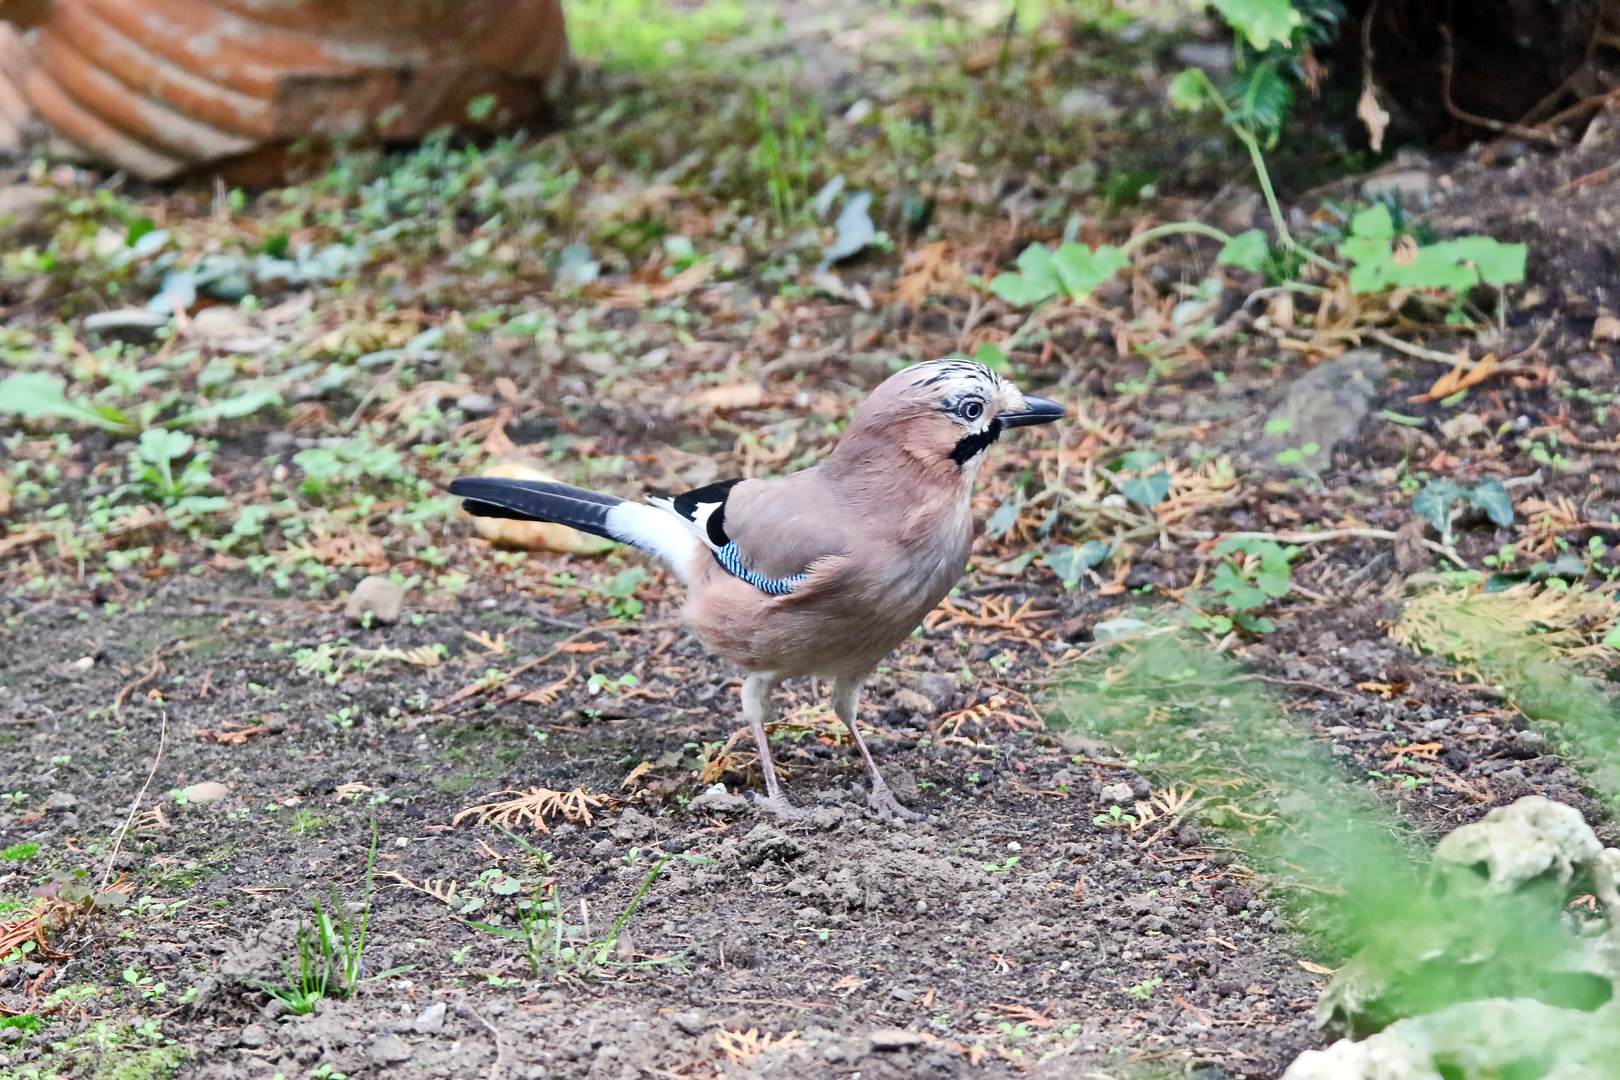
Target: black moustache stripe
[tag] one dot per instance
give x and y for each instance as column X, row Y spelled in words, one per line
column 973, row 445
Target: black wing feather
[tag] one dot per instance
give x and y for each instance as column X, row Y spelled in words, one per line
column 536, row 500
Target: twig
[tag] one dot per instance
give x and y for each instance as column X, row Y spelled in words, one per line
column 500, row 1047
column 1501, row 127
column 163, row 732
column 1383, row 337
column 118, row 702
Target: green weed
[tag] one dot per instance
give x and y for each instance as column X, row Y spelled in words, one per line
column 331, row 947
column 1253, row 572
column 553, row 945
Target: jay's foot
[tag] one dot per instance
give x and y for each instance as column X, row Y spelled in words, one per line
column 883, row 801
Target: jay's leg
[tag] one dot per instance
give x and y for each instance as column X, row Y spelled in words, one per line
column 846, row 696
column 756, row 696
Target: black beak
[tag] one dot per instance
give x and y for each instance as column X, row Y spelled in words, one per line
column 1037, row 410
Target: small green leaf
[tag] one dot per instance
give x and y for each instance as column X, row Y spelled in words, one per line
column 160, row 446
column 230, row 409
column 1081, row 270
column 1148, row 490
column 1279, row 425
column 1005, row 517
column 1254, row 624
column 1373, row 223
column 1187, row 91
column 1247, row 251
column 1261, row 21
column 1491, row 497
column 1140, row 460
column 1433, row 503
column 1069, row 563
column 1035, row 282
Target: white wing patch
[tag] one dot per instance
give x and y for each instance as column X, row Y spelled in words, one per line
column 659, row 531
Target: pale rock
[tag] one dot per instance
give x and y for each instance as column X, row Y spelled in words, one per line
column 896, row 1039
column 209, row 791
column 431, row 1019
column 912, row 701
column 379, row 595
column 390, row 1050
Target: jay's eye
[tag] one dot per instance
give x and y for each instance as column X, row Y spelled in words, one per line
column 972, row 410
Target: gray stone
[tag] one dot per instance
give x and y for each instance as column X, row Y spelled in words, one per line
column 896, row 1039
column 1213, row 58
column 717, row 800
column 60, row 802
column 134, row 325
column 912, row 701
column 1407, row 185
column 390, row 1050
column 1117, row 795
column 379, row 595
column 253, row 1036
column 692, row 1022
column 940, row 688
column 477, row 405
column 1083, row 102
column 431, row 1020
column 1324, row 407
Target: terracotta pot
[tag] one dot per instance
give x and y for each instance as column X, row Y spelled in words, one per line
column 162, row 87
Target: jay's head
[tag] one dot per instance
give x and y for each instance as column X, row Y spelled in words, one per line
column 949, row 411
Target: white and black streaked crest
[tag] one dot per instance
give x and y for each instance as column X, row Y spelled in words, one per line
column 972, row 396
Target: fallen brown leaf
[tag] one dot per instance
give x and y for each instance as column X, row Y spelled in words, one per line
column 1459, row 378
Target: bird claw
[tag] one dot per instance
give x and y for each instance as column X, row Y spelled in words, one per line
column 888, row 807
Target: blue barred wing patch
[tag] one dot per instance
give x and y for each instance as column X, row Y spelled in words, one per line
column 731, row 559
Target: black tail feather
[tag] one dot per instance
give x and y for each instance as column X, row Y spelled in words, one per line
column 536, row 500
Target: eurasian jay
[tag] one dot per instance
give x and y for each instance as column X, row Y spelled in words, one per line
column 824, row 571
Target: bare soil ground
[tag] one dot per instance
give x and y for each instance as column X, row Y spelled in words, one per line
column 1016, row 932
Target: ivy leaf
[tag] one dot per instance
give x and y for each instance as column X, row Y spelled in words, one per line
column 1246, row 251
column 1261, row 21
column 1069, row 563
column 1149, row 490
column 1433, row 503
column 1491, row 497
column 1005, row 517
column 1036, row 280
column 1081, row 270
